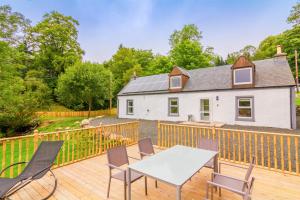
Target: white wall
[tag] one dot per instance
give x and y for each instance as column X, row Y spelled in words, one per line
column 271, row 106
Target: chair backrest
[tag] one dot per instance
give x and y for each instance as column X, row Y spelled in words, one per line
column 208, row 144
column 117, row 156
column 44, row 157
column 146, row 146
column 250, row 169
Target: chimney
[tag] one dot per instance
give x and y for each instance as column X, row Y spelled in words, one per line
column 279, row 52
column 134, row 75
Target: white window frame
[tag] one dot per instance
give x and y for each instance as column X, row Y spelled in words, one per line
column 202, row 111
column 128, row 106
column 238, row 107
column 170, row 106
column 180, row 82
column 242, row 83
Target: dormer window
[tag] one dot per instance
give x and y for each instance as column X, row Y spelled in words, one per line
column 242, row 76
column 175, row 82
column 243, row 73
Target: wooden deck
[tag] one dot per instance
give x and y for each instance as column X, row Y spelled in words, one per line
column 88, row 180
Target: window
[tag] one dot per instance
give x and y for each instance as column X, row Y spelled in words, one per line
column 204, row 109
column 129, row 107
column 173, row 107
column 242, row 76
column 175, row 82
column 245, row 109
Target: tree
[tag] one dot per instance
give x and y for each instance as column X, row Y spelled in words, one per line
column 84, row 85
column 189, row 54
column 189, row 32
column 125, row 62
column 53, row 42
column 13, row 25
column 267, row 47
column 159, row 64
column 186, row 49
column 19, row 99
column 294, row 17
column 249, row 51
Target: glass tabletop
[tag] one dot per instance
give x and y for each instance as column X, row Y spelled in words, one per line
column 175, row 165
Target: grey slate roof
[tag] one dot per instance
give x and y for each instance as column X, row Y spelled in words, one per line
column 269, row 73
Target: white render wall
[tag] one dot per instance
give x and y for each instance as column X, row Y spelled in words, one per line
column 271, row 106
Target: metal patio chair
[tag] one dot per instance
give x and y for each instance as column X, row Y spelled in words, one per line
column 118, row 157
column 146, row 149
column 242, row 187
column 39, row 165
column 209, row 144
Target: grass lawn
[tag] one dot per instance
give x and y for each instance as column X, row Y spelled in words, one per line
column 50, row 124
column 298, row 99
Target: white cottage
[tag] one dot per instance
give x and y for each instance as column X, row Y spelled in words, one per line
column 259, row 93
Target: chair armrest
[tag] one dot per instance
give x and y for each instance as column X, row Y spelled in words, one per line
column 18, row 163
column 218, row 174
column 226, row 187
column 115, row 167
column 232, row 165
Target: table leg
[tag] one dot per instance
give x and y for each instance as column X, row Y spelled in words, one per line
column 129, row 184
column 178, row 193
column 216, row 166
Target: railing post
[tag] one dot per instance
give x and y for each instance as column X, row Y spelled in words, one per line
column 35, row 139
column 158, row 134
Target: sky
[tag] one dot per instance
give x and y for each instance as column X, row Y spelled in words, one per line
column 226, row 25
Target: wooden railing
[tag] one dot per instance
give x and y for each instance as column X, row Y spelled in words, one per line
column 78, row 113
column 273, row 151
column 79, row 144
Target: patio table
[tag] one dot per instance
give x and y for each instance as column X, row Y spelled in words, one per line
column 174, row 166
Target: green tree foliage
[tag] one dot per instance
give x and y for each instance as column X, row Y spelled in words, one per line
column 84, row 85
column 13, row 25
column 53, row 42
column 189, row 32
column 125, row 62
column 267, row 47
column 186, row 49
column 159, row 64
column 249, row 51
column 294, row 17
column 19, row 98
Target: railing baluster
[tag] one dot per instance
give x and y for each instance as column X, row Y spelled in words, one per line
column 233, row 145
column 297, row 155
column 269, row 152
column 275, row 150
column 262, row 150
column 12, row 153
column 244, row 138
column 239, row 135
column 289, row 153
column 3, row 156
column 282, row 152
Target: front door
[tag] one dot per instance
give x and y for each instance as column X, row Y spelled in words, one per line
column 204, row 110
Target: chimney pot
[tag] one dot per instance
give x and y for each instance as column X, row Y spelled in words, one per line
column 279, row 54
column 279, row 49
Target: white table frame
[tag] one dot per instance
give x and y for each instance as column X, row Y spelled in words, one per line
column 178, row 187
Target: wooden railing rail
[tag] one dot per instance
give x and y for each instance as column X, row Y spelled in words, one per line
column 79, row 144
column 273, row 151
column 78, row 113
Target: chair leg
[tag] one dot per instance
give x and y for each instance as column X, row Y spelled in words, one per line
column 155, row 183
column 108, row 187
column 125, row 190
column 146, row 189
column 207, row 191
column 219, row 192
column 212, row 192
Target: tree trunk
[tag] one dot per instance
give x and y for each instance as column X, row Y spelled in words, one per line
column 90, row 107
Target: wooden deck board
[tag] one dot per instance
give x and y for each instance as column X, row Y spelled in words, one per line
column 88, row 180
